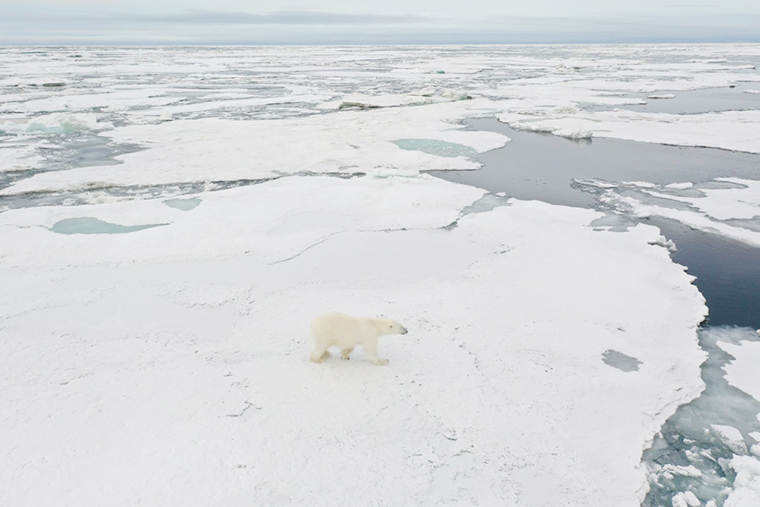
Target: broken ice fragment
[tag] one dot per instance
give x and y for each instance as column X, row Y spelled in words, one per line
column 731, row 437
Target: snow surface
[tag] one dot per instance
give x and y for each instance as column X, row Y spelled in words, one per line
column 746, row 491
column 168, row 365
column 742, row 372
column 346, row 142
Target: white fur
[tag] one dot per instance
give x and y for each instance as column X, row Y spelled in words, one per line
column 347, row 332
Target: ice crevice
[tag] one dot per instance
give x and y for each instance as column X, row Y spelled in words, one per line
column 303, row 251
column 248, row 405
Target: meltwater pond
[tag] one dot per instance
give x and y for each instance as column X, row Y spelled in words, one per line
column 435, row 147
column 706, row 445
column 89, row 225
column 183, row 204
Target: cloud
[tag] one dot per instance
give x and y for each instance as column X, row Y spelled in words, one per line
column 320, row 27
column 315, row 18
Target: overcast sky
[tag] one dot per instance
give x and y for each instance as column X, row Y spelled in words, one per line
column 386, row 21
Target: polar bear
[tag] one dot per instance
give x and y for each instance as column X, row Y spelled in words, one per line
column 347, row 332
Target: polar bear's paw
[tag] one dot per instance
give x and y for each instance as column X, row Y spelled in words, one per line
column 320, row 359
column 382, row 362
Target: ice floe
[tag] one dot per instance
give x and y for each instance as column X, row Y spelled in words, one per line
column 213, row 149
column 726, row 206
column 742, row 371
column 497, row 394
column 58, row 123
column 731, row 130
column 18, row 158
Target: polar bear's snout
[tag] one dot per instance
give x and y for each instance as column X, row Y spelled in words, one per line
column 403, row 330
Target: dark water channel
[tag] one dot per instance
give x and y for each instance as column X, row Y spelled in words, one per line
column 689, row 456
column 542, row 167
column 705, row 100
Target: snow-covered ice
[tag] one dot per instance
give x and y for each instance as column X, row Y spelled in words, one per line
column 731, row 130
column 742, row 372
column 729, row 207
column 157, row 290
column 170, row 364
column 348, row 142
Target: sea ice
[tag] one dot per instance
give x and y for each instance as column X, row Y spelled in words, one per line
column 742, row 371
column 219, row 150
column 60, row 123
column 746, row 491
column 725, row 206
column 18, row 158
column 168, row 366
column 709, row 435
column 738, row 130
column 731, row 437
column 551, row 89
column 686, row 499
column 190, row 378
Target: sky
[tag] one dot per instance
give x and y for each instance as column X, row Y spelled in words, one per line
column 384, row 22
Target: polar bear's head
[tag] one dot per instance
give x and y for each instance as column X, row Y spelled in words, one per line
column 388, row 326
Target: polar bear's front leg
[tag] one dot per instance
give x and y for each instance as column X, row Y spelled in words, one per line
column 319, row 354
column 346, row 352
column 370, row 348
